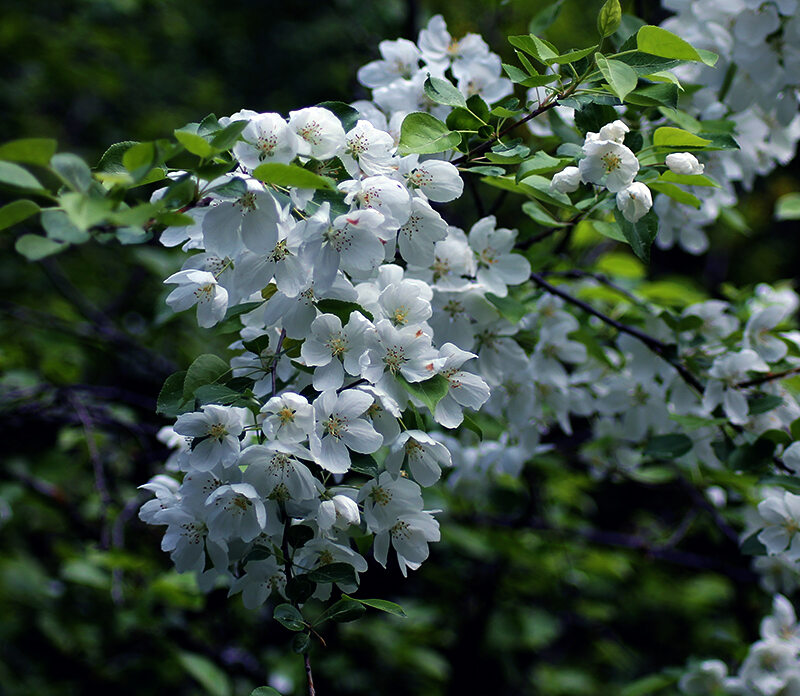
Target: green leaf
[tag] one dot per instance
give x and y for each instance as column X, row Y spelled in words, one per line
column 509, row 308
column 763, row 403
column 536, row 212
column 540, row 163
column 364, row 464
column 607, row 229
column 592, row 117
column 333, row 572
column 206, row 369
column 660, row 42
column 279, row 174
column 461, row 119
column 574, row 56
column 752, row 546
column 299, row 535
column 342, row 309
column 216, row 394
column 344, row 610
column 17, row 211
column 29, row 151
column 344, row 112
column 15, row 175
column 211, row 677
column 665, row 95
column 112, row 160
column 794, row 429
column 301, row 643
column 170, row 398
column 139, row 159
column 194, row 143
column 641, row 234
column 787, row 207
column 265, row 691
column 668, row 446
column 609, row 18
column 381, row 605
column 33, row 247
column 289, row 617
column 653, row 475
column 228, row 136
column 300, row 588
column 540, row 49
column 441, row 91
column 621, row 78
column 522, row 78
column 543, row 19
column 646, row 64
column 675, row 193
column 430, row 392
column 689, row 422
column 73, row 171
column 688, row 179
column 647, row 685
column 424, row 134
column 677, row 138
column 59, row 227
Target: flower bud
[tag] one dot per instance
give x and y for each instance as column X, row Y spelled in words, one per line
column 683, row 163
column 567, row 180
column 634, row 201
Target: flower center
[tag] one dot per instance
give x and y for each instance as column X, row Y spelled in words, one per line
column 394, row 358
column 217, row 431
column 286, row 415
column 335, row 426
column 611, row 162
column 380, row 496
column 247, row 203
column 337, row 344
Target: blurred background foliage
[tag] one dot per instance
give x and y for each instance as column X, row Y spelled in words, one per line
column 553, row 584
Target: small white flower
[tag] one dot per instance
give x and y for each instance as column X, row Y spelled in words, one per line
column 425, row 457
column 410, row 536
column 608, row 163
column 275, row 473
column 320, row 129
column 235, row 511
column 437, row 179
column 216, row 430
column 339, row 427
column 200, row 288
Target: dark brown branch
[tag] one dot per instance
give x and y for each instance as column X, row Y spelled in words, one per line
column 769, row 377
column 658, row 347
column 311, row 691
column 599, row 277
column 97, row 464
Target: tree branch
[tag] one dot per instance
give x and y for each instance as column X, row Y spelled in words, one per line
column 769, row 377
column 658, row 347
column 485, row 146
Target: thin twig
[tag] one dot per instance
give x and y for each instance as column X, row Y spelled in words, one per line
column 99, row 473
column 485, row 146
column 769, row 377
column 311, row 691
column 274, row 367
column 599, row 277
column 658, row 347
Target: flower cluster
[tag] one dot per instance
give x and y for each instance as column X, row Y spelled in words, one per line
column 772, row 664
column 370, row 325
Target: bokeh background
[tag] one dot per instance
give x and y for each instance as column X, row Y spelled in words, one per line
column 510, row 602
